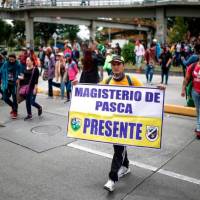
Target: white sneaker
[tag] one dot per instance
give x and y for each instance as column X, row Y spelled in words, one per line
column 123, row 171
column 110, row 185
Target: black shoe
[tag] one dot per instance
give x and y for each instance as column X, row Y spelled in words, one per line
column 40, row 111
column 67, row 100
column 28, row 117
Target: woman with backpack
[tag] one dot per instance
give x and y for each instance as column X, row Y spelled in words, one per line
column 193, row 74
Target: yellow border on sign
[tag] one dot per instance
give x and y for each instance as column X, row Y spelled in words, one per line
column 148, row 123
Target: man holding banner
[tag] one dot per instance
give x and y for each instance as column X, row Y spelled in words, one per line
column 116, row 113
column 120, row 162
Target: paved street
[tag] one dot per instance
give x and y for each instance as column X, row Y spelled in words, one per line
column 38, row 161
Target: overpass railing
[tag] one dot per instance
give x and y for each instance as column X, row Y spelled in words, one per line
column 92, row 3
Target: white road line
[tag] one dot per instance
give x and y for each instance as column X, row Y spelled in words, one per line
column 138, row 164
column 179, row 176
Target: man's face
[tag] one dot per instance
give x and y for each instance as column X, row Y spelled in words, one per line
column 11, row 60
column 117, row 67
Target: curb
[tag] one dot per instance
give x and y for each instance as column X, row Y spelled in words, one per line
column 180, row 110
column 168, row 108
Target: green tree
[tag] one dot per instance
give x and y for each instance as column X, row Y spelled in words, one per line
column 5, row 31
column 44, row 31
column 178, row 30
column 68, row 31
column 128, row 53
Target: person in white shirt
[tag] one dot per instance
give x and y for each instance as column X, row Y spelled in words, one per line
column 139, row 53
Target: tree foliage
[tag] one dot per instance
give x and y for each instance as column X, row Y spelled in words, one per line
column 178, row 30
column 128, row 52
column 68, row 31
column 5, row 31
column 44, row 31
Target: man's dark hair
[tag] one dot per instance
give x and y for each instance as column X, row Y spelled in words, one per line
column 12, row 55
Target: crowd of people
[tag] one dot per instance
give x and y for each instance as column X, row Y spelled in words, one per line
column 19, row 78
column 59, row 67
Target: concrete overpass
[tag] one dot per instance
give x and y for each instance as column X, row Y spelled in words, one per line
column 51, row 11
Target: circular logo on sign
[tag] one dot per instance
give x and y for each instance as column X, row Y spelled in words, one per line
column 152, row 133
column 75, row 123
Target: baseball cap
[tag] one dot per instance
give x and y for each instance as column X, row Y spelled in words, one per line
column 117, row 59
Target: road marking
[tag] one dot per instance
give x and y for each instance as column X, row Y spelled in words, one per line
column 138, row 164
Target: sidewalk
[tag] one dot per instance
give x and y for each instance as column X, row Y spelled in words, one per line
column 174, row 103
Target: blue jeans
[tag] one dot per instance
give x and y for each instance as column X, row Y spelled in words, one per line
column 138, row 60
column 196, row 98
column 30, row 101
column 149, row 72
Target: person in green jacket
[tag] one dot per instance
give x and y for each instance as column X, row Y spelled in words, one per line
column 107, row 65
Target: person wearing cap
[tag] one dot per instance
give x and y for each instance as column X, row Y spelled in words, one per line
column 120, row 162
column 9, row 72
column 67, row 48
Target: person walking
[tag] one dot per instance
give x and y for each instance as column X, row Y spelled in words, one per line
column 150, row 63
column 90, row 68
column 139, row 53
column 50, row 65
column 59, row 74
column 30, row 79
column 193, row 73
column 107, row 65
column 120, row 162
column 165, row 62
column 9, row 75
column 72, row 71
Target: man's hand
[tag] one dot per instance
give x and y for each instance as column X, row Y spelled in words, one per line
column 161, row 87
column 74, row 82
column 183, row 93
column 35, row 90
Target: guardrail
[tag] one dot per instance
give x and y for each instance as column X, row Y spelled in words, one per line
column 90, row 3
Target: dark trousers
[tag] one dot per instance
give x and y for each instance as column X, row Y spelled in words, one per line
column 119, row 159
column 30, row 101
column 164, row 73
column 50, row 87
column 11, row 91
